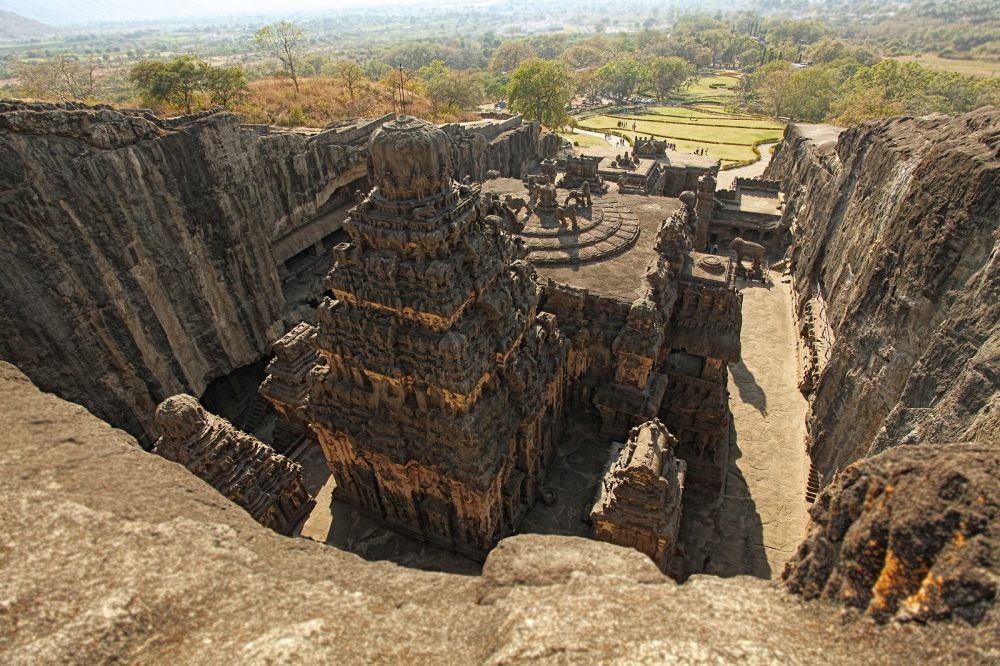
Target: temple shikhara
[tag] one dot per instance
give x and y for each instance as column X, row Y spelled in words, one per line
column 473, row 335
column 442, row 394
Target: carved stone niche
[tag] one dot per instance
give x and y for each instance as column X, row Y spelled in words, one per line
column 241, row 467
column 638, row 502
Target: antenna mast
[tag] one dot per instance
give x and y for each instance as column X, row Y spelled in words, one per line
column 401, row 100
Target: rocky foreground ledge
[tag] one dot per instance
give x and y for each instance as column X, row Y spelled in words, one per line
column 108, row 553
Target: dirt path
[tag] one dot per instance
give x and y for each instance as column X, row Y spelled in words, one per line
column 769, row 418
column 725, row 179
column 614, row 141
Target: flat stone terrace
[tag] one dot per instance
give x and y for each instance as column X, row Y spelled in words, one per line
column 618, row 271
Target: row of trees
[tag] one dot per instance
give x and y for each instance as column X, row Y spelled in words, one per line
column 188, row 82
column 848, row 90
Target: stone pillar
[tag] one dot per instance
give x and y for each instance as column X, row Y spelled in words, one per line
column 706, row 202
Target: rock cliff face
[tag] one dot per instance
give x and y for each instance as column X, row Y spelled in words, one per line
column 112, row 554
column 136, row 260
column 896, row 227
column 912, row 535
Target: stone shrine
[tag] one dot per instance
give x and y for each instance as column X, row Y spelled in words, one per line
column 582, row 169
column 286, row 384
column 241, row 467
column 442, row 397
column 638, row 502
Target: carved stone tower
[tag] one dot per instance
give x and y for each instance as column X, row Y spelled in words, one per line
column 442, row 397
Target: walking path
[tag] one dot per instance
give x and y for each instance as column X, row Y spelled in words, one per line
column 769, row 418
column 614, row 141
column 726, row 178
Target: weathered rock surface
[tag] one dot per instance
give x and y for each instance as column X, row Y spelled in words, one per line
column 911, row 534
column 896, row 226
column 136, row 261
column 109, row 553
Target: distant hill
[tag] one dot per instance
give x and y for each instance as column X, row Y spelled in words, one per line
column 16, row 28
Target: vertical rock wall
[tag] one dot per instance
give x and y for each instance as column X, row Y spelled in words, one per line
column 896, row 228
column 135, row 260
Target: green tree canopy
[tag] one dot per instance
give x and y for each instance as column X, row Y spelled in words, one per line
column 283, row 40
column 667, row 74
column 176, row 82
column 622, row 77
column 451, row 90
column 185, row 79
column 541, row 90
column 508, row 56
column 226, row 85
column 350, row 74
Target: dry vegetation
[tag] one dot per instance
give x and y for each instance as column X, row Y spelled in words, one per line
column 323, row 100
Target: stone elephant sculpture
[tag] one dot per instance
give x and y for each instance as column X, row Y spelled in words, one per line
column 744, row 248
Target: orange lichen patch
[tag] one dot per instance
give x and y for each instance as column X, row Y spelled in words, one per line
column 873, row 491
column 920, row 603
column 897, row 580
column 886, row 495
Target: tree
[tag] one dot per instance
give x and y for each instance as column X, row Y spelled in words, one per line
column 226, row 85
column 621, row 78
column 176, row 82
column 808, row 94
column 769, row 84
column 585, row 55
column 283, row 40
column 588, row 85
column 376, row 70
column 350, row 73
column 667, row 74
column 541, row 90
column 508, row 56
column 448, row 89
column 64, row 78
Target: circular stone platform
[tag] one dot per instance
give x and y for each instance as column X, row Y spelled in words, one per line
column 607, row 229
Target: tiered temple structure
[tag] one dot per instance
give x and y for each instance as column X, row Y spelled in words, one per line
column 286, row 385
column 638, row 502
column 244, row 469
column 442, row 395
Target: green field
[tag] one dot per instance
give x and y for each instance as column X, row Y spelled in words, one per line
column 727, row 137
column 969, row 67
column 584, row 140
column 699, row 119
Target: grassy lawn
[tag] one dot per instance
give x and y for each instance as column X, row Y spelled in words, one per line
column 584, row 140
column 971, row 67
column 702, row 121
column 727, row 137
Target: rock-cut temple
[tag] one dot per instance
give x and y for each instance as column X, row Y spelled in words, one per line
column 441, row 398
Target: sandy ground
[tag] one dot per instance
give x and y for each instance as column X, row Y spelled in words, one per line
column 769, row 418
